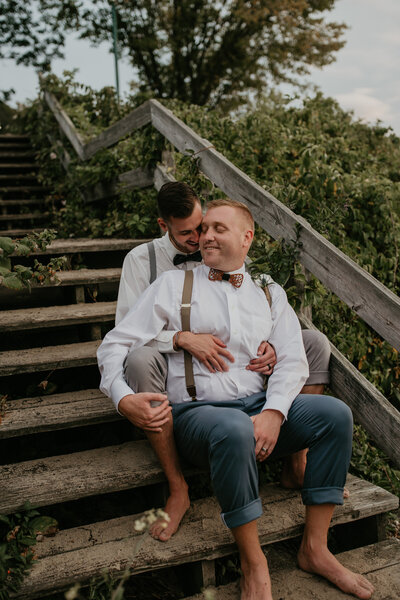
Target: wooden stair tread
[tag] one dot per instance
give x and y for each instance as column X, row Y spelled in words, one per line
column 22, row 202
column 56, row 411
column 76, row 277
column 379, row 563
column 83, row 552
column 18, row 165
column 15, row 362
column 56, row 316
column 20, row 232
column 71, row 476
column 24, row 216
column 69, row 246
column 11, row 137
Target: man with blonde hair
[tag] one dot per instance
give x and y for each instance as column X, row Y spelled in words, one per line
column 231, row 422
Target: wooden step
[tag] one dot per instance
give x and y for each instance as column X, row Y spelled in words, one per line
column 56, row 316
column 83, row 552
column 32, row 360
column 13, row 137
column 25, row 217
column 18, row 166
column 22, row 202
column 7, row 180
column 78, row 475
column 26, row 189
column 12, row 155
column 19, row 233
column 379, row 563
column 80, row 277
column 74, row 245
column 14, row 147
column 56, row 411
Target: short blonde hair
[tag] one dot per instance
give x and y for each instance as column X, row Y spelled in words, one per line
column 248, row 217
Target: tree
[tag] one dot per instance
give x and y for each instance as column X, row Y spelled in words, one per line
column 204, row 51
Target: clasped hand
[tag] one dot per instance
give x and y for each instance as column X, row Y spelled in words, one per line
column 211, row 351
column 138, row 410
column 267, row 426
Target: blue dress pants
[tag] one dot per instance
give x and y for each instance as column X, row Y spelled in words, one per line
column 220, row 436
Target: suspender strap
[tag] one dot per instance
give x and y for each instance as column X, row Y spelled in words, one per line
column 268, row 295
column 185, row 317
column 152, row 259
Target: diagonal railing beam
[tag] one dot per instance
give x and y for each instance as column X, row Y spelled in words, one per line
column 369, row 298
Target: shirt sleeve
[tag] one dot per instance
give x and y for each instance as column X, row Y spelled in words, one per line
column 291, row 371
column 142, row 323
column 134, row 281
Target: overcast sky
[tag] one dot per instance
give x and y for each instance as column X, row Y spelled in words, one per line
column 365, row 77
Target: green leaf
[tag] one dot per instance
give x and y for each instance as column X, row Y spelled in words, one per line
column 7, row 245
column 12, row 282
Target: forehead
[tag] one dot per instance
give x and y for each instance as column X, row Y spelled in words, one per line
column 227, row 215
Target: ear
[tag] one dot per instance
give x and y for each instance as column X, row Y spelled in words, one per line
column 248, row 238
column 162, row 224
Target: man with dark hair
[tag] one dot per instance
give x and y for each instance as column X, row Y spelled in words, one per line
column 230, row 421
column 145, row 368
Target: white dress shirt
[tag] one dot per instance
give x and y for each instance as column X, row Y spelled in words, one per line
column 135, row 279
column 240, row 317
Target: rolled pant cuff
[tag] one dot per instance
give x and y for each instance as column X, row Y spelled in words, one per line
column 318, row 378
column 326, row 495
column 243, row 515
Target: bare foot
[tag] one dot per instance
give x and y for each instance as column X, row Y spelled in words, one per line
column 323, row 563
column 255, row 583
column 176, row 506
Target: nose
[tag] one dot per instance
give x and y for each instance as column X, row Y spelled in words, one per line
column 195, row 236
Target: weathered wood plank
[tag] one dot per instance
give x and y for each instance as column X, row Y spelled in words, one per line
column 56, row 411
column 136, row 178
column 89, row 276
column 15, row 362
column 66, row 125
column 71, row 476
column 137, row 118
column 371, row 300
column 25, row 217
column 365, row 401
column 162, row 174
column 70, row 246
column 56, row 316
column 380, row 563
column 20, row 232
column 80, row 553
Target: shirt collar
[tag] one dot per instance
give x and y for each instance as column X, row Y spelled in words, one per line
column 242, row 270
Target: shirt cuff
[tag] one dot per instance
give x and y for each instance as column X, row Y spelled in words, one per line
column 165, row 342
column 119, row 389
column 281, row 404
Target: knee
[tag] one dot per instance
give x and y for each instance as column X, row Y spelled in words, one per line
column 237, row 435
column 318, row 349
column 339, row 417
column 146, row 370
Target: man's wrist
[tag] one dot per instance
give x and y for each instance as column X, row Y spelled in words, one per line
column 175, row 341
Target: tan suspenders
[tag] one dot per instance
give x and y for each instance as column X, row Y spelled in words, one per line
column 185, row 317
column 186, row 305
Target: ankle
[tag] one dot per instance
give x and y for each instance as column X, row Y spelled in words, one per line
column 178, row 487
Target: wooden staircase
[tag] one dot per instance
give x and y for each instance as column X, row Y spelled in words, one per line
column 23, row 204
column 70, row 453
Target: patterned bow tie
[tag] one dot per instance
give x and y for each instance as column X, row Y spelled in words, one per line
column 182, row 258
column 236, row 279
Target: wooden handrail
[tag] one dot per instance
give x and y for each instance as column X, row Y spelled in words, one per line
column 365, row 401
